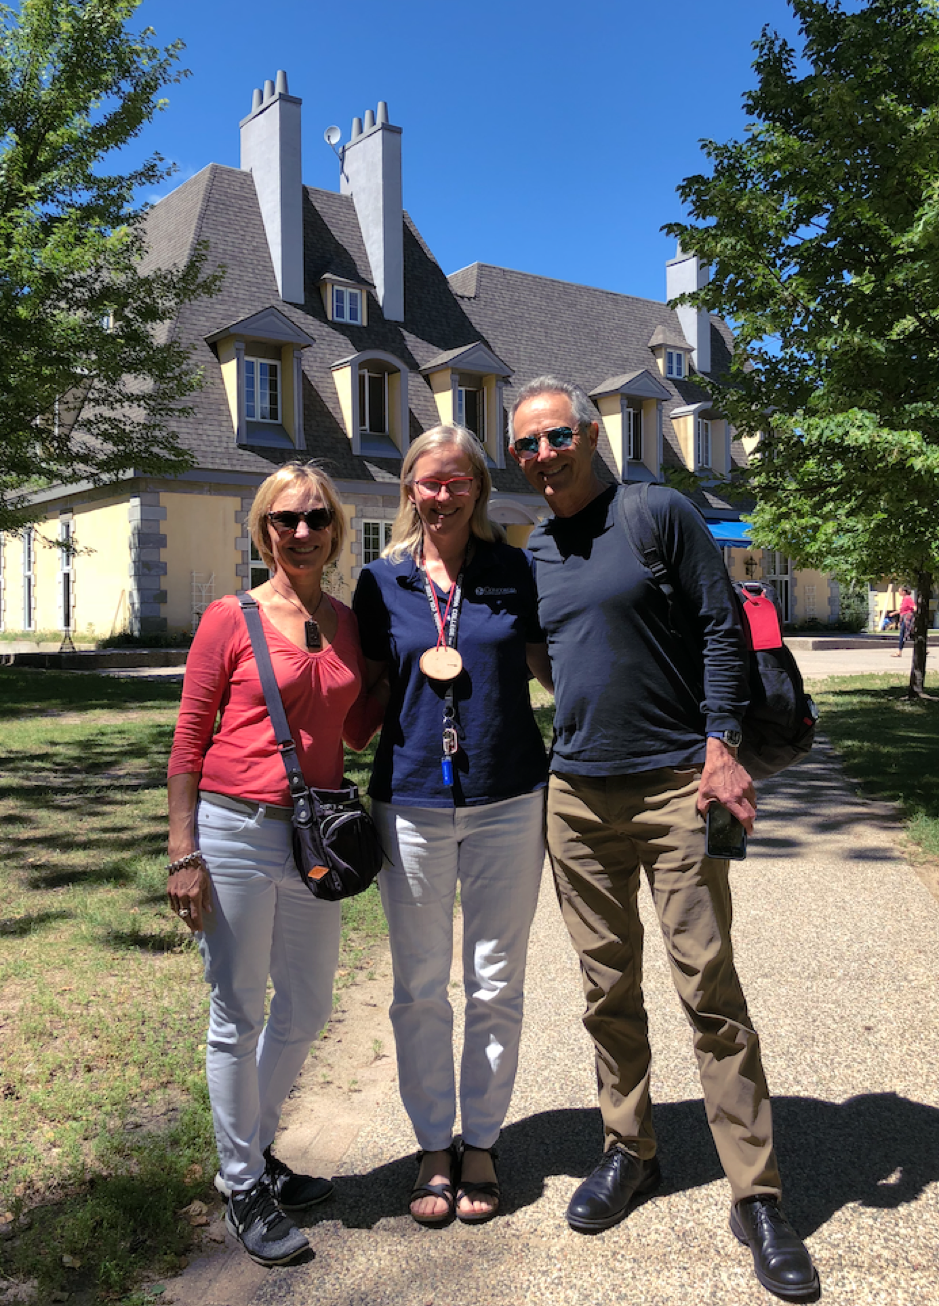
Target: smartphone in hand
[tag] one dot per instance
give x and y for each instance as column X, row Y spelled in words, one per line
column 725, row 838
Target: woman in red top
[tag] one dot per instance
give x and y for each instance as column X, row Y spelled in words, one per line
column 232, row 879
column 906, row 614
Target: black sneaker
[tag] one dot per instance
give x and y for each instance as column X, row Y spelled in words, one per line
column 267, row 1235
column 293, row 1192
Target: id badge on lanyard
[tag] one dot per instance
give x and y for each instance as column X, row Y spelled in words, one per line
column 443, row 663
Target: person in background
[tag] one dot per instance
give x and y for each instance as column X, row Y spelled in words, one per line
column 448, row 612
column 906, row 614
column 232, row 877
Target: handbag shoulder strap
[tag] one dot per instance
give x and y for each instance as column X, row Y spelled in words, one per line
column 299, row 790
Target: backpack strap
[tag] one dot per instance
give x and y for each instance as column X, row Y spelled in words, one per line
column 646, row 543
column 642, row 532
column 299, row 792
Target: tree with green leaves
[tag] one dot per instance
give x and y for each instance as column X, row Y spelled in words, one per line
column 90, row 378
column 821, row 230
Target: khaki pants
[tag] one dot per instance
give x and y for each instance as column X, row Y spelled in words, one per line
column 600, row 831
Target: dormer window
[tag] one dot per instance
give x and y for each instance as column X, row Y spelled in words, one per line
column 471, row 410
column 634, row 434
column 347, row 305
column 674, row 364
column 373, row 402
column 703, row 442
column 262, row 390
column 344, row 300
column 259, row 357
column 467, row 384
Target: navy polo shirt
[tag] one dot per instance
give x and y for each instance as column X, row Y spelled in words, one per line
column 501, row 753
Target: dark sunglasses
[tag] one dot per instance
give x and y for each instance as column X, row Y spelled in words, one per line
column 560, row 437
column 317, row 519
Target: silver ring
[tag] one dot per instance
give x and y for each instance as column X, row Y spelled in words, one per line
column 184, row 911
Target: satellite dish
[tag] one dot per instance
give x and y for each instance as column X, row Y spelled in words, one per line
column 331, row 136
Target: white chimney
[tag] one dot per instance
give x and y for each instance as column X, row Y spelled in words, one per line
column 684, row 274
column 371, row 174
column 270, row 151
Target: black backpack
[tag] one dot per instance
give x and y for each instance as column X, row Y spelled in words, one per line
column 779, row 727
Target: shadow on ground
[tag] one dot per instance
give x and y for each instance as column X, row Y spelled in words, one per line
column 878, row 1149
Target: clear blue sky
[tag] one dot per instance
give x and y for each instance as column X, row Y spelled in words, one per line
column 547, row 137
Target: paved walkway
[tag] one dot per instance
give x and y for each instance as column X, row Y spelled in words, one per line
column 837, row 947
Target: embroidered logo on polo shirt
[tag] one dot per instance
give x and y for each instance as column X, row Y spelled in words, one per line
column 494, row 591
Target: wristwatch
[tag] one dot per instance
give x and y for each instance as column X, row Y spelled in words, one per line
column 731, row 738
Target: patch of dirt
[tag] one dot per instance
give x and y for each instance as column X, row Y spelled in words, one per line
column 926, row 867
column 347, row 1074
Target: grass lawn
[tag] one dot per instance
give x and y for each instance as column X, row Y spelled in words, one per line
column 105, row 1132
column 890, row 745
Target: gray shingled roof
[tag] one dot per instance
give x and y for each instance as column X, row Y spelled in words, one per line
column 535, row 324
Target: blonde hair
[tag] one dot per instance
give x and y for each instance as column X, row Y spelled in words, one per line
column 407, row 531
column 270, row 490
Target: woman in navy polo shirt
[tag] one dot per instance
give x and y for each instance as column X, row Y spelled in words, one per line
column 449, row 611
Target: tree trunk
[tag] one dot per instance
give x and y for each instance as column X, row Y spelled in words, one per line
column 917, row 687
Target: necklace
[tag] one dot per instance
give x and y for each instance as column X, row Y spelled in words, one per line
column 311, row 631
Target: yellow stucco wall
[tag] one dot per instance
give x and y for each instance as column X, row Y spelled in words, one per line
column 101, row 534
column 684, row 431
column 12, row 613
column 342, row 377
column 442, row 390
column 650, row 435
column 610, row 409
column 229, row 368
column 803, row 601
column 286, row 391
column 518, row 535
column 201, row 532
column 102, row 574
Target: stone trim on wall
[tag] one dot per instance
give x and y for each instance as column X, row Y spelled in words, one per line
column 147, row 568
column 243, row 542
column 367, row 508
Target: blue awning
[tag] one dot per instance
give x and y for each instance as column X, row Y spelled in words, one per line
column 731, row 534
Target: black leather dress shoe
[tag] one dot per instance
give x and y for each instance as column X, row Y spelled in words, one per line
column 604, row 1197
column 780, row 1258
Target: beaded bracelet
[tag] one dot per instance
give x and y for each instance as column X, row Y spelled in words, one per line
column 191, row 859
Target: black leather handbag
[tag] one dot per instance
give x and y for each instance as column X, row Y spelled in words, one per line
column 335, row 843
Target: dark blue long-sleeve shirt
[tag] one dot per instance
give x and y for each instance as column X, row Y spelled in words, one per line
column 628, row 688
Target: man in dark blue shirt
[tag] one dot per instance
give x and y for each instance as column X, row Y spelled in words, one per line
column 641, row 751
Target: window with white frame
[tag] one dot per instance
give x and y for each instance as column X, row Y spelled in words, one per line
column 675, row 364
column 634, row 434
column 259, row 571
column 471, row 410
column 777, row 571
column 29, row 579
column 376, row 535
column 373, row 402
column 66, row 574
column 703, row 443
column 262, row 390
column 347, row 305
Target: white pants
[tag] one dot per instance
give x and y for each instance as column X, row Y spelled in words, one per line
column 264, row 922
column 496, row 853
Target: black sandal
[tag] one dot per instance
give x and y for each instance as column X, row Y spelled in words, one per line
column 444, row 1190
column 488, row 1189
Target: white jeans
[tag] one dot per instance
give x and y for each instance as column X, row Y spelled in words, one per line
column 264, row 922
column 496, row 853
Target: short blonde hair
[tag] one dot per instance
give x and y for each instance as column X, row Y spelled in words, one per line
column 269, row 491
column 407, row 531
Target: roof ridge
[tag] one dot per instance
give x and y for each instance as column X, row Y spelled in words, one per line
column 197, row 231
column 563, row 281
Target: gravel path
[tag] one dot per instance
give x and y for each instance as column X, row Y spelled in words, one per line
column 836, row 944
